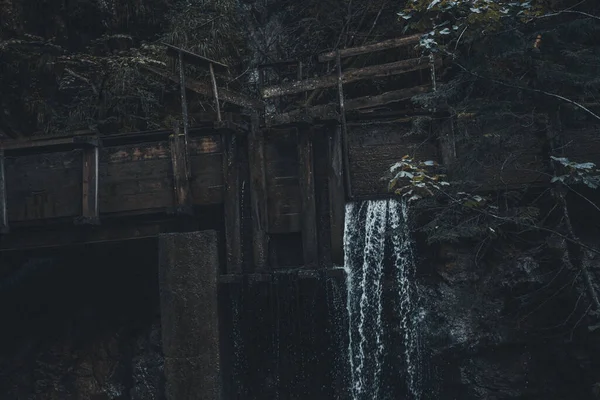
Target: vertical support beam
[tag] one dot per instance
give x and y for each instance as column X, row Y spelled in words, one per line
column 90, row 185
column 188, row 281
column 215, row 91
column 3, row 197
column 258, row 194
column 184, row 109
column 307, row 191
column 337, row 197
column 90, row 214
column 345, row 159
column 233, row 223
column 183, row 200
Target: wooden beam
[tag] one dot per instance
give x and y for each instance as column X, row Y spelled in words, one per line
column 307, row 191
column 370, row 48
column 89, row 206
column 205, row 89
column 258, row 194
column 385, row 98
column 193, row 58
column 3, row 197
column 329, row 112
column 308, row 116
column 353, row 75
column 215, row 91
column 183, row 198
column 345, row 160
column 337, row 196
column 48, row 145
column 232, row 207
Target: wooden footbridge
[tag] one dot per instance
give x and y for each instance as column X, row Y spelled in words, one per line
column 272, row 176
column 281, row 179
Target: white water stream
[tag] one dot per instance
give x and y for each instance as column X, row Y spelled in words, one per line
column 365, row 240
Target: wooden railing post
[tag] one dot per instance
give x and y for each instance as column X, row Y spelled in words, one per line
column 233, row 222
column 344, row 126
column 256, row 156
column 306, row 174
column 183, row 200
column 337, row 196
column 90, row 214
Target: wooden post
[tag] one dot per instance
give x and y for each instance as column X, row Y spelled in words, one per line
column 233, row 223
column 258, row 194
column 90, row 213
column 215, row 90
column 307, row 191
column 183, row 201
column 337, row 196
column 188, row 284
column 345, row 160
column 3, row 197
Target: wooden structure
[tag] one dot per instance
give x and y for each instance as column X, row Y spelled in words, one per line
column 275, row 186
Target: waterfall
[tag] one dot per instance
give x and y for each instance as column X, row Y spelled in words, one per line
column 378, row 248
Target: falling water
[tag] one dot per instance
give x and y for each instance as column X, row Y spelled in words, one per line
column 367, row 234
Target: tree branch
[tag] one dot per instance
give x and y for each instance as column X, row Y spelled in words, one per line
column 557, row 96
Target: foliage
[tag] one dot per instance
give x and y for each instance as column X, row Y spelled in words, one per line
column 444, row 20
column 578, row 173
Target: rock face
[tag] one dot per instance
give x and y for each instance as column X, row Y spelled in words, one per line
column 512, row 328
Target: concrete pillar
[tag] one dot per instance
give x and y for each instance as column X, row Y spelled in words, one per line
column 188, row 273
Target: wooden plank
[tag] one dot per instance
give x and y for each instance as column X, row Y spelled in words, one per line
column 344, row 127
column 337, row 196
column 3, row 197
column 322, row 112
column 205, row 89
column 330, row 112
column 193, row 58
column 353, row 75
column 181, row 182
column 370, row 48
column 67, row 143
column 43, row 186
column 258, row 193
column 310, row 244
column 90, row 204
column 207, row 179
column 385, row 98
column 135, row 177
column 213, row 80
column 232, row 207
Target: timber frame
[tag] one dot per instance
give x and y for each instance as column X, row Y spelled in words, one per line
column 274, row 185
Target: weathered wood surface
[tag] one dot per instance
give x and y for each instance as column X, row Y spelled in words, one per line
column 310, row 243
column 370, row 48
column 337, row 195
column 258, row 196
column 42, row 186
column 282, row 181
column 129, row 178
column 351, row 75
column 179, row 165
column 90, row 204
column 232, row 206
